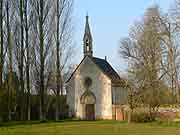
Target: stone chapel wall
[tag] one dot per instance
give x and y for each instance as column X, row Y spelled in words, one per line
column 101, row 87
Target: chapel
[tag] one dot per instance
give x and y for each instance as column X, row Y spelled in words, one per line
column 95, row 89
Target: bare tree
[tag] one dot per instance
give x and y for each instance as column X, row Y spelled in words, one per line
column 143, row 52
column 21, row 66
column 63, row 22
column 171, row 67
column 42, row 27
column 58, row 62
column 32, row 31
column 41, row 51
column 10, row 65
column 26, row 15
column 2, row 43
column 170, row 37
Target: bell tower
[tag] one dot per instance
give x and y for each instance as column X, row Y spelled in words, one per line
column 87, row 40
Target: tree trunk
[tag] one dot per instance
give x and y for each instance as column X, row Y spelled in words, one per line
column 130, row 115
column 2, row 47
column 177, row 87
column 21, row 66
column 41, row 39
column 57, row 107
column 10, row 71
column 27, row 64
column 57, row 63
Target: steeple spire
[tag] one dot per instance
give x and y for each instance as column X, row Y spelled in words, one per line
column 87, row 39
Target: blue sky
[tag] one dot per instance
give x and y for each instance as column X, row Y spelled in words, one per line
column 110, row 20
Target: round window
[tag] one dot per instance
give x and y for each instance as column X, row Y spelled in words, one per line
column 87, row 82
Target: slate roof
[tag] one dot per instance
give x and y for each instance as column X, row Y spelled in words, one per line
column 107, row 69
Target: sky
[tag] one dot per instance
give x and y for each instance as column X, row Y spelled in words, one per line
column 110, row 21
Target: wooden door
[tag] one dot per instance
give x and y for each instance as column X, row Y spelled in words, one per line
column 90, row 113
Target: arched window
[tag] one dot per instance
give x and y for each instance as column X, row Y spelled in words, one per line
column 87, row 82
column 87, row 45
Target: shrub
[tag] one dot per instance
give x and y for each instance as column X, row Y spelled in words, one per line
column 3, row 116
column 142, row 117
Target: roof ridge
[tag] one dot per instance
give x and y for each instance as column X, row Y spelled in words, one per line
column 106, row 67
column 99, row 58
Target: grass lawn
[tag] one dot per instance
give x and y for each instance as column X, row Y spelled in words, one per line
column 89, row 128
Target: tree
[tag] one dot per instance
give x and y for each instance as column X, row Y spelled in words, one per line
column 21, row 63
column 58, row 62
column 42, row 45
column 2, row 44
column 170, row 37
column 10, row 64
column 143, row 52
column 63, row 16
column 30, row 31
column 27, row 61
column 133, row 97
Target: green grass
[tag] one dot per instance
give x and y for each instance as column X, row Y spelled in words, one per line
column 88, row 128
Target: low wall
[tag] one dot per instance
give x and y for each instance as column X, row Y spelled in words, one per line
column 117, row 112
column 169, row 113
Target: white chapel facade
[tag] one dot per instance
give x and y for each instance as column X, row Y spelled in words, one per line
column 94, row 87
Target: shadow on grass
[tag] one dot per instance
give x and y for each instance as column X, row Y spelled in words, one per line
column 19, row 123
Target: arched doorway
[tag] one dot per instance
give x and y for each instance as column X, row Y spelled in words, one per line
column 89, row 112
column 88, row 101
